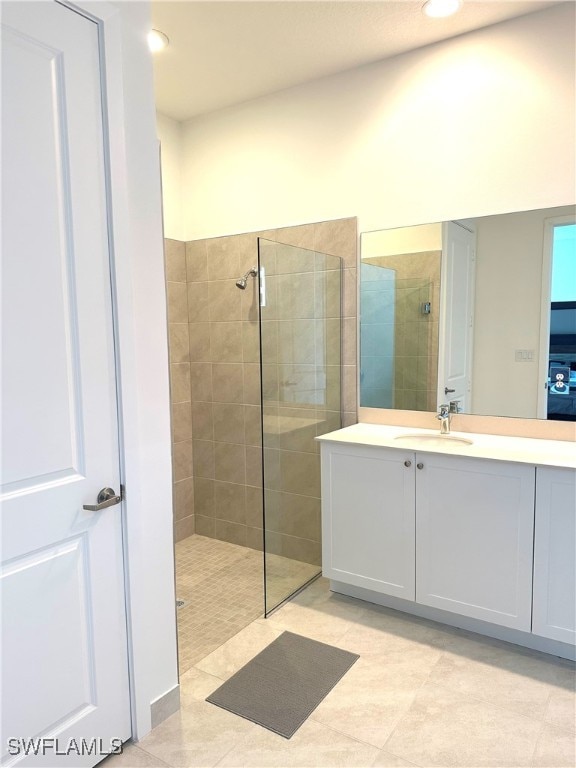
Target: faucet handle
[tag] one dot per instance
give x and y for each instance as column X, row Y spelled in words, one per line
column 444, row 411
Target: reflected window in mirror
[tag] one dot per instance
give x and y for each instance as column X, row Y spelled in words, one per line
column 561, row 384
column 464, row 312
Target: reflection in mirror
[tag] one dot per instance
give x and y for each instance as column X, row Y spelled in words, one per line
column 400, row 299
column 479, row 313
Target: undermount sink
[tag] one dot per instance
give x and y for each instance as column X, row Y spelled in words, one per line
column 432, row 441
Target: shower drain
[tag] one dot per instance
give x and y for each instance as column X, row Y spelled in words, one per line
column 180, row 603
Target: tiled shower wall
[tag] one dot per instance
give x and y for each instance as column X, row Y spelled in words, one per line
column 178, row 340
column 225, row 388
column 223, row 498
column 301, row 375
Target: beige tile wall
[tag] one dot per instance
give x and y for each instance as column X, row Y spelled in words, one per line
column 225, row 388
column 301, row 339
column 224, row 375
column 178, row 342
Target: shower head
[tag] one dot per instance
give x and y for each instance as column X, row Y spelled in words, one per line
column 243, row 281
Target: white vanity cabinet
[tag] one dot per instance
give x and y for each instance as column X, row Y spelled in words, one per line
column 474, row 537
column 368, row 523
column 478, row 531
column 449, row 532
column 554, row 606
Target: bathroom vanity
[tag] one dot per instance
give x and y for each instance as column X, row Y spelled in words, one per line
column 473, row 530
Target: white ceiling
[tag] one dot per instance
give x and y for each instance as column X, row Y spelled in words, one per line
column 223, row 53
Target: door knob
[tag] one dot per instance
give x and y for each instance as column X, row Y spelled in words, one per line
column 420, row 465
column 407, row 463
column 106, row 498
column 447, row 391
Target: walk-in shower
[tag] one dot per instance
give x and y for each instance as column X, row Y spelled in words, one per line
column 255, row 378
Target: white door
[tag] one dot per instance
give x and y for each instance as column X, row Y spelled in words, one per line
column 554, row 610
column 64, row 652
column 368, row 518
column 456, row 314
column 474, row 538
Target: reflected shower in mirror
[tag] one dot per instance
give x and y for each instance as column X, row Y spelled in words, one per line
column 479, row 313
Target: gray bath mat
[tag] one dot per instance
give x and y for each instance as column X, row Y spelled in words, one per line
column 284, row 683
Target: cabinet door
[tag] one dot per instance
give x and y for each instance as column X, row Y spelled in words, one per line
column 474, row 534
column 368, row 518
column 554, row 557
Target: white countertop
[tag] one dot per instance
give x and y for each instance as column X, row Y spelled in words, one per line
column 525, row 450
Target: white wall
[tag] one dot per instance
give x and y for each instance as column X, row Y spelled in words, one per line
column 169, row 133
column 143, row 360
column 509, row 256
column 480, row 124
column 393, row 242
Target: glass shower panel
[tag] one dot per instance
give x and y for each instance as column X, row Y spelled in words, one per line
column 377, row 324
column 300, row 342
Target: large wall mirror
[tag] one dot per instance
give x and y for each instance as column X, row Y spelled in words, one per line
column 479, row 313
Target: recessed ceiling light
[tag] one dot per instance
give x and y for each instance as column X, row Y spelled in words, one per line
column 440, row 8
column 157, row 40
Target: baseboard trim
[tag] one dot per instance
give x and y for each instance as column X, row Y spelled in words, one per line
column 525, row 639
column 165, row 705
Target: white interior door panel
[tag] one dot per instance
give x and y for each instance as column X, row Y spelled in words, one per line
column 64, row 652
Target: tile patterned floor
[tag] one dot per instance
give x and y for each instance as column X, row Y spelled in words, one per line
column 420, row 695
column 222, row 586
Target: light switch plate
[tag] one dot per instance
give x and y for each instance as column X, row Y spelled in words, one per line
column 524, row 355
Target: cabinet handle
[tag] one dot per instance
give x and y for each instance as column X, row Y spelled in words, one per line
column 407, row 463
column 420, row 465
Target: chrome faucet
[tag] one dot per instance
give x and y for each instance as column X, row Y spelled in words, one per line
column 444, row 417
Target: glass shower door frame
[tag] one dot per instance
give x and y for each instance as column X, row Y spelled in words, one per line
column 303, row 300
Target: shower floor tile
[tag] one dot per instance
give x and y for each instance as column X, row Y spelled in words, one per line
column 222, row 586
column 223, row 591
